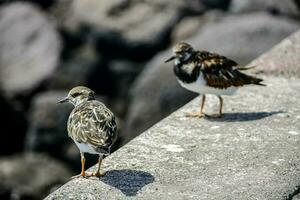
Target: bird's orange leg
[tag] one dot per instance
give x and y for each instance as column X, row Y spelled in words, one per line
column 199, row 114
column 98, row 173
column 82, row 174
column 221, row 106
column 220, row 109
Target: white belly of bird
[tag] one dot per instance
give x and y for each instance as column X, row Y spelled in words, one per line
column 200, row 87
column 85, row 148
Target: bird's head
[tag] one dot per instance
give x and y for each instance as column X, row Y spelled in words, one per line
column 181, row 51
column 79, row 94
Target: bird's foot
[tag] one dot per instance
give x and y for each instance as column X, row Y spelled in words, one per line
column 98, row 174
column 219, row 115
column 82, row 175
column 197, row 114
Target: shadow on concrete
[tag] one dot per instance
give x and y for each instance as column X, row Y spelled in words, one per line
column 241, row 117
column 129, row 182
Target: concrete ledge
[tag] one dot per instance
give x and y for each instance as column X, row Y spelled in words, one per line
column 251, row 153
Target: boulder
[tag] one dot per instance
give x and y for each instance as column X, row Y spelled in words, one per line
column 216, row 4
column 40, row 3
column 124, row 73
column 13, row 128
column 124, row 29
column 287, row 7
column 81, row 63
column 243, row 37
column 30, row 48
column 297, row 2
column 189, row 26
column 156, row 93
column 47, row 131
column 30, row 176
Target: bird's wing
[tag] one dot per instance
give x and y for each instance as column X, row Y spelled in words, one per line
column 221, row 72
column 95, row 124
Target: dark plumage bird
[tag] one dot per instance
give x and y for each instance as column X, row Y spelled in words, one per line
column 91, row 126
column 208, row 73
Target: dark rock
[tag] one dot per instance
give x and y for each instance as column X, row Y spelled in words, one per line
column 41, row 3
column 13, row 128
column 30, row 176
column 72, row 73
column 297, row 2
column 124, row 73
column 30, row 48
column 47, row 130
column 76, row 69
column 217, row 4
column 287, row 7
column 102, row 81
column 106, row 77
column 125, row 29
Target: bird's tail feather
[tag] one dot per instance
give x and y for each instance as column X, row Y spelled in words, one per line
column 257, row 81
column 245, row 68
column 248, row 79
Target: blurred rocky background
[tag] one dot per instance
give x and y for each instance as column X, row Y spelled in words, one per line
column 117, row 48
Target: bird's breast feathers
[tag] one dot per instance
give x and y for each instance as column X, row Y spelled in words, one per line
column 200, row 86
column 189, row 67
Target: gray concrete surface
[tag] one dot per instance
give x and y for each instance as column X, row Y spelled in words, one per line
column 251, row 153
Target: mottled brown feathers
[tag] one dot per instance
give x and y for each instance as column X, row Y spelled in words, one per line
column 93, row 123
column 182, row 47
column 221, row 72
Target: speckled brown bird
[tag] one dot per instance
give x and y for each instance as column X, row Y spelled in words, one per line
column 208, row 73
column 91, row 126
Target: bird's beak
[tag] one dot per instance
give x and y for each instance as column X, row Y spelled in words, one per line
column 172, row 58
column 64, row 100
